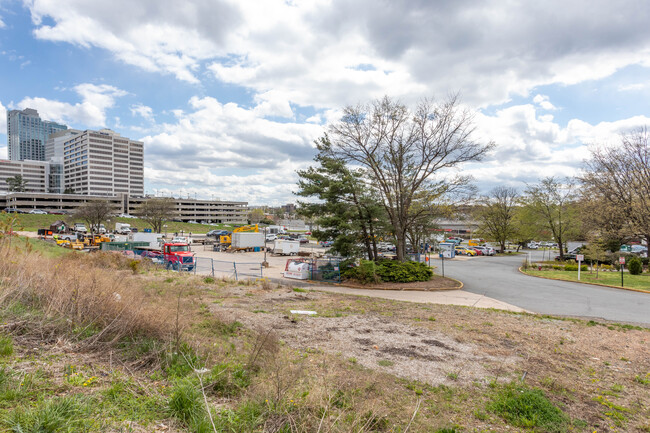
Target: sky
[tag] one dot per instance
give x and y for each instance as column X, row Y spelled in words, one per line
column 229, row 95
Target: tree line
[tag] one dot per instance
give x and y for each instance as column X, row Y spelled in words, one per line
column 384, row 172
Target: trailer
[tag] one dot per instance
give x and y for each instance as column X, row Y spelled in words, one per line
column 154, row 239
column 286, row 247
column 248, row 241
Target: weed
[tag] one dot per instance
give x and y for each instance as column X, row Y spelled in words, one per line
column 452, row 376
column 352, row 360
column 528, row 408
column 227, row 379
column 642, row 380
column 186, row 403
column 385, row 363
column 208, row 280
column 431, row 319
column 6, row 345
column 299, row 290
column 57, row 414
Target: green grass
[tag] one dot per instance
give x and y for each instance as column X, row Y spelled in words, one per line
column 528, row 408
column 6, row 346
column 641, row 282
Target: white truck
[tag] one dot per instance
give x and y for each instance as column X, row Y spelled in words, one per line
column 286, row 247
column 122, row 228
column 80, row 228
column 248, row 240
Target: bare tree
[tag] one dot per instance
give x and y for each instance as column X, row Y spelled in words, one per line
column 157, row 211
column 497, row 217
column 404, row 152
column 94, row 213
column 618, row 177
column 554, row 203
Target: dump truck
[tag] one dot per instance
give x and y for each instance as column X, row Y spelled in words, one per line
column 173, row 255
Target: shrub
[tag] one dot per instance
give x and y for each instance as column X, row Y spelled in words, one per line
column 403, row 272
column 635, row 266
column 365, row 273
column 574, row 268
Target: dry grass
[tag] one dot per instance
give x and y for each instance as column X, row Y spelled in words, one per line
column 279, row 372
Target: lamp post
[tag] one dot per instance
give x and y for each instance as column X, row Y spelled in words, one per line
column 265, row 263
column 165, row 227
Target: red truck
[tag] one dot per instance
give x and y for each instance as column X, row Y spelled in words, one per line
column 174, row 255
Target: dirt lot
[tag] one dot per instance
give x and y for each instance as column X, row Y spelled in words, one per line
column 592, row 368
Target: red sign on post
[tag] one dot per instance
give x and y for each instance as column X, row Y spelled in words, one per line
column 621, row 260
column 580, row 258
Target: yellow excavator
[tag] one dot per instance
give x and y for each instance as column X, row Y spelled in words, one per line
column 226, row 240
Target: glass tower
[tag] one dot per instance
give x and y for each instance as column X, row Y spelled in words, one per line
column 27, row 134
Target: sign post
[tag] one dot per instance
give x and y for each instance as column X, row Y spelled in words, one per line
column 579, row 258
column 621, row 261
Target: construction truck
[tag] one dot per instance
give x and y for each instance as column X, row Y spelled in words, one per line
column 173, row 255
column 226, row 240
column 93, row 241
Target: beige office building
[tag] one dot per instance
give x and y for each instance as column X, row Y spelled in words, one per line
column 103, row 163
column 35, row 173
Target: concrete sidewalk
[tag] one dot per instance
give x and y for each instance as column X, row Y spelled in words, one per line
column 447, row 297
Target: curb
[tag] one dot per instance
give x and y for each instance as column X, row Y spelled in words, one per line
column 402, row 289
column 584, row 282
column 308, row 283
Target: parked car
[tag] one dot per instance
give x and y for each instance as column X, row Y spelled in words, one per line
column 326, row 244
column 487, row 251
column 479, row 252
column 571, row 255
column 271, row 237
column 217, row 233
column 13, row 210
column 464, row 251
column 532, row 245
column 38, row 212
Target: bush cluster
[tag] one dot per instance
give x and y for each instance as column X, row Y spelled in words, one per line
column 390, row 271
column 574, row 268
column 635, row 266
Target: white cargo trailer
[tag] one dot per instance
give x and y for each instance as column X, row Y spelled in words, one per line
column 154, row 239
column 286, row 247
column 247, row 240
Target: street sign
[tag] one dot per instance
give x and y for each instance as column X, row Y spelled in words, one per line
column 621, row 260
column 580, row 257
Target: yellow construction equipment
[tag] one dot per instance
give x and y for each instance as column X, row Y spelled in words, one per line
column 94, row 240
column 227, row 239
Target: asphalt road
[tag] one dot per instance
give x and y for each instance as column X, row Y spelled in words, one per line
column 498, row 278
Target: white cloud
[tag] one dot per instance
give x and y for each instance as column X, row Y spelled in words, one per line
column 143, row 111
column 543, row 101
column 329, row 53
column 531, row 146
column 634, row 87
column 90, row 112
column 170, row 38
column 230, row 149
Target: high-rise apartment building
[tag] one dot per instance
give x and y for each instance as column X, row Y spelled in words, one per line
column 27, row 134
column 102, row 163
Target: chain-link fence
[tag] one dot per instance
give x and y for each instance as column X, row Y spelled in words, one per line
column 327, row 269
